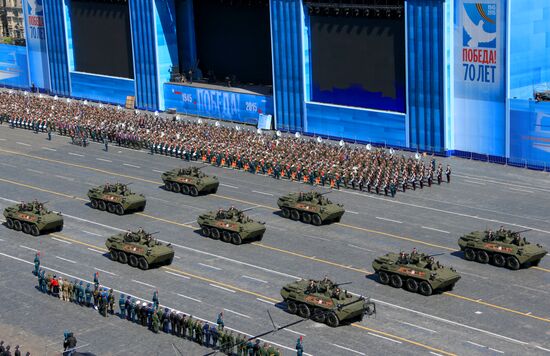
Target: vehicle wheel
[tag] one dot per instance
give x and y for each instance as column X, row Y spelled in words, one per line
column 111, row 208
column 291, row 307
column 226, row 236
column 184, row 189
column 512, row 263
column 499, row 260
column 176, row 188
column 469, row 254
column 535, row 263
column 122, row 257
column 332, row 320
column 396, row 281
column 412, row 285
column 425, row 288
column 34, row 230
column 306, row 218
column 205, row 231
column 319, row 316
column 383, row 277
column 168, row 186
column 215, row 233
column 119, row 210
column 101, row 205
column 286, row 213
column 17, row 225
column 113, row 255
column 316, row 220
column 133, row 260
column 26, row 228
column 193, row 191
column 303, row 311
column 143, row 264
column 9, row 223
column 236, row 239
column 294, row 214
column 94, row 204
column 482, row 256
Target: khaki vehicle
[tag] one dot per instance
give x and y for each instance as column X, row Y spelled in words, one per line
column 190, row 181
column 230, row 225
column 32, row 218
column 310, row 208
column 116, row 199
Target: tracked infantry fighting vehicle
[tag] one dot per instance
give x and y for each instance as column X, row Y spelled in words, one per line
column 32, row 218
column 139, row 249
column 416, row 272
column 116, row 198
column 230, row 225
column 190, row 181
column 324, row 302
column 310, row 208
column 503, row 248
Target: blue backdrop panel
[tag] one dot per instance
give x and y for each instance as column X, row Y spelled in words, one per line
column 101, row 88
column 186, row 35
column 286, row 34
column 145, row 54
column 35, row 36
column 217, row 104
column 14, row 70
column 167, row 46
column 425, row 44
column 353, row 124
column 529, row 47
column 57, row 46
column 530, row 131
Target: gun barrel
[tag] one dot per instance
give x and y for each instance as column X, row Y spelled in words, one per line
column 436, row 254
column 522, row 231
column 342, row 284
column 247, row 209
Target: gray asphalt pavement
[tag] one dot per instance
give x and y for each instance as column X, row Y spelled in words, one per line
column 490, row 310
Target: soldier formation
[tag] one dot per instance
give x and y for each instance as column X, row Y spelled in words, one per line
column 288, row 157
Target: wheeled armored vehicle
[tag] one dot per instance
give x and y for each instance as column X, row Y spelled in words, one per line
column 416, row 272
column 190, row 181
column 311, row 208
column 139, row 249
column 230, row 225
column 32, row 218
column 116, row 199
column 503, row 248
column 324, row 302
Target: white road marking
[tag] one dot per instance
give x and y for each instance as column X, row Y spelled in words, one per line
column 316, row 237
column 23, row 144
column 262, row 193
column 1, row 239
column 495, row 350
column 383, row 337
column 104, row 160
column 178, row 275
column 65, row 242
column 528, row 313
column 145, row 284
column 478, row 312
column 348, row 349
column 28, row 248
column 486, row 179
column 190, row 222
column 178, row 257
column 8, row 165
column 49, row 149
column 229, row 186
column 473, row 343
column 531, row 289
column 186, row 297
column 91, row 249
column 417, row 326
column 352, row 212
column 130, row 165
column 35, row 171
column 265, row 301
column 220, row 287
column 2, row 139
column 474, row 182
column 155, row 198
column 391, row 220
column 294, row 332
column 254, row 279
column 360, row 248
column 208, row 266
column 237, row 313
column 156, row 170
column 76, row 154
column 65, row 259
column 473, row 275
column 434, row 229
column 66, row 178
column 104, row 271
column 91, row 233
column 521, row 190
column 435, row 353
column 542, row 348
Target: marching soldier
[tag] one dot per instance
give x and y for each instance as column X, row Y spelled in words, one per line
column 448, row 173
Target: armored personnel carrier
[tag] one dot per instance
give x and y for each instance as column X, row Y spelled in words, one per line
column 324, row 302
column 416, row 272
column 230, row 225
column 503, row 248
column 116, row 199
column 32, row 218
column 310, row 208
column 139, row 249
column 190, row 181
